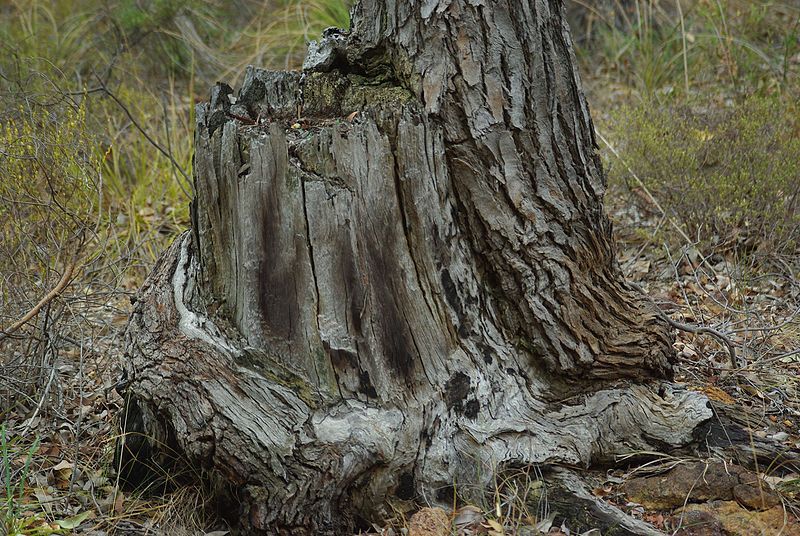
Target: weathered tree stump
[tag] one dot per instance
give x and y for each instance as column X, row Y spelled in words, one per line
column 400, row 277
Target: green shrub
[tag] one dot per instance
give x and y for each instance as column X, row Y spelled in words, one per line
column 54, row 226
column 730, row 176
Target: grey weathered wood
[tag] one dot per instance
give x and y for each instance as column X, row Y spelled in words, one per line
column 390, row 303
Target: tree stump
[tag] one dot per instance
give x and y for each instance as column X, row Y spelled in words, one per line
column 399, row 278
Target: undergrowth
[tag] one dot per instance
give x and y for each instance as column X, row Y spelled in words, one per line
column 704, row 129
column 96, row 146
column 730, row 176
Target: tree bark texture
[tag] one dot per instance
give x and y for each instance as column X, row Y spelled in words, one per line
column 400, row 277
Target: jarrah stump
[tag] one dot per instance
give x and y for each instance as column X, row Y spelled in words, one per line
column 400, row 277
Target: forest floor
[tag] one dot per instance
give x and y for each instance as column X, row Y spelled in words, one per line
column 57, row 444
column 69, row 477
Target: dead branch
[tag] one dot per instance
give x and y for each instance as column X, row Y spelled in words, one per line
column 705, row 329
column 58, row 289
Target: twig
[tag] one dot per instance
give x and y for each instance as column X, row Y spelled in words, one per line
column 144, row 133
column 683, row 41
column 704, row 329
column 774, row 327
column 678, row 281
column 772, row 359
column 169, row 147
column 62, row 284
column 46, row 391
column 633, row 259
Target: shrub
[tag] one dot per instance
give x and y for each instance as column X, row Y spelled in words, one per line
column 53, row 227
column 730, row 176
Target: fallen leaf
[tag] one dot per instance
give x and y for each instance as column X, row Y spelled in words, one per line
column 601, row 492
column 717, row 394
column 45, row 500
column 62, row 474
column 64, row 464
column 545, row 524
column 467, row 516
column 73, row 522
column 118, row 501
column 496, row 529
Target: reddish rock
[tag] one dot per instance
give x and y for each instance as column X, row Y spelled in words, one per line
column 687, row 482
column 733, row 520
column 696, row 523
column 429, row 522
column 756, row 497
column 701, row 482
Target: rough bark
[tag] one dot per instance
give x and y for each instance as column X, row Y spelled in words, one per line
column 389, row 303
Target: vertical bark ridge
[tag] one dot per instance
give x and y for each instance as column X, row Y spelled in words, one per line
column 538, row 199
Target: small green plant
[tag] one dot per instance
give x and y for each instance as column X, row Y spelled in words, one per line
column 19, row 517
column 13, row 522
column 52, row 218
column 708, row 121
